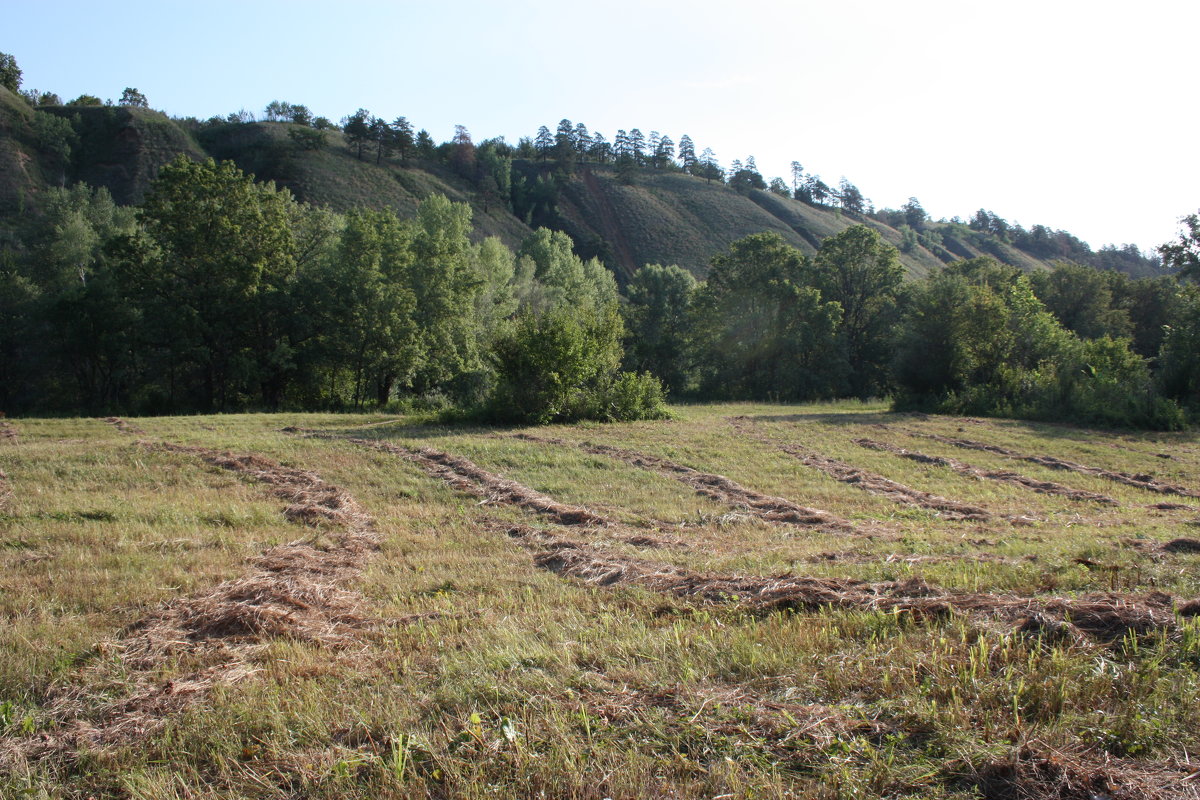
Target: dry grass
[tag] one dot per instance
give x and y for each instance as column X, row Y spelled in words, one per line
column 717, row 488
column 870, row 481
column 517, row 619
column 1141, row 480
column 292, row 593
column 1004, row 476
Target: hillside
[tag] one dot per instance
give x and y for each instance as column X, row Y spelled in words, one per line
column 628, row 218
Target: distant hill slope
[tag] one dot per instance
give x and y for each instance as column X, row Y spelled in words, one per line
column 641, row 216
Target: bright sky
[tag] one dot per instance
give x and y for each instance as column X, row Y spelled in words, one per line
column 1077, row 114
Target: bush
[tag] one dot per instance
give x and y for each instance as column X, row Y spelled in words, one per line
column 561, row 366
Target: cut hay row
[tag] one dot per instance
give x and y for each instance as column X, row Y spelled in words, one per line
column 293, row 591
column 124, row 426
column 1141, row 481
column 1002, row 476
column 870, row 482
column 1037, row 771
column 1106, row 617
column 714, row 487
column 8, row 434
column 466, row 476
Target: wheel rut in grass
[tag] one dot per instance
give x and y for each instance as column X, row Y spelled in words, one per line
column 1003, row 476
column 869, row 482
column 714, row 487
column 466, row 476
column 1141, row 481
column 1106, row 617
column 293, row 591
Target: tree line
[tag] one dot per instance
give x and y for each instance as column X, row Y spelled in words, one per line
column 218, row 293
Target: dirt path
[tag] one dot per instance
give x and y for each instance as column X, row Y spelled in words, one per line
column 868, row 481
column 1141, row 481
column 467, row 476
column 293, row 591
column 1003, row 476
column 715, row 487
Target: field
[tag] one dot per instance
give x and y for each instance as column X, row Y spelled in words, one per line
column 744, row 601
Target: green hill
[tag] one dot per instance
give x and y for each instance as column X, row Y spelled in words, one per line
column 628, row 218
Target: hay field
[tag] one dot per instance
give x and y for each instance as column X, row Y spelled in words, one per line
column 744, row 601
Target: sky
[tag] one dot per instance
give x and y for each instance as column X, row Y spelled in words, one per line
column 1076, row 115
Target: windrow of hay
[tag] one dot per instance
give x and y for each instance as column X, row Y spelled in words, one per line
column 124, row 427
column 869, row 481
column 1107, row 616
column 715, row 487
column 8, row 434
column 467, row 476
column 1141, row 481
column 1003, row 476
column 1036, row 771
column 294, row 591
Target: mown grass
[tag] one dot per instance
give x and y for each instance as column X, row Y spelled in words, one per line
column 486, row 675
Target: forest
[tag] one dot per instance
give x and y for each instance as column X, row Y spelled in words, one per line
column 217, row 292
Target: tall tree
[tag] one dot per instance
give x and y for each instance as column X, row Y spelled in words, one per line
column 213, row 277
column 687, row 153
column 862, row 273
column 761, row 332
column 357, row 130
column 10, row 73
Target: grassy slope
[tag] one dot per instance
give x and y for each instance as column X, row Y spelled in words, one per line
column 334, row 177
column 672, row 218
column 660, row 217
column 20, row 175
column 488, row 675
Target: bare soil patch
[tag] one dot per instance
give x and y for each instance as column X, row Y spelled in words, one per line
column 715, row 487
column 1003, row 476
column 1141, row 481
column 8, row 434
column 871, row 482
column 293, row 591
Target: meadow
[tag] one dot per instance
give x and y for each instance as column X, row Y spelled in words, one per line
column 757, row 601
